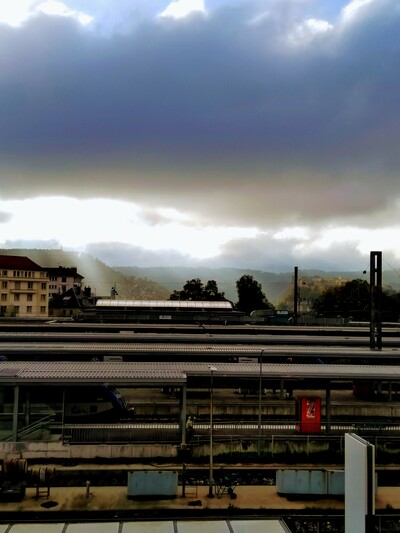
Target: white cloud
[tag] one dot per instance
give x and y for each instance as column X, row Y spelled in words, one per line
column 52, row 7
column 16, row 12
column 182, row 8
column 292, row 233
column 354, row 8
column 307, row 30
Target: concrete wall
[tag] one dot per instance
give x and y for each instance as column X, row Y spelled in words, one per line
column 59, row 451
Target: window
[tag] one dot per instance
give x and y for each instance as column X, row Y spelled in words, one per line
column 43, row 297
column 3, row 309
column 16, row 309
column 29, row 297
column 4, row 284
column 16, row 297
column 30, row 284
column 17, row 284
column 44, row 287
column 4, row 297
column 64, row 279
column 4, row 272
column 16, row 273
column 42, row 309
column 29, row 309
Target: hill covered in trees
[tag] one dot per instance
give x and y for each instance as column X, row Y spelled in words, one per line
column 278, row 288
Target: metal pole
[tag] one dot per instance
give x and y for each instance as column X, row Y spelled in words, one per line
column 295, row 295
column 259, row 404
column 376, row 300
column 211, row 477
column 183, row 415
column 15, row 414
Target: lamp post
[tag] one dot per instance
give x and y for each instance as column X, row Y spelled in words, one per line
column 211, row 476
column 259, row 404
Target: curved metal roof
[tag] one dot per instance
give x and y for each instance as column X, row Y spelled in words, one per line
column 166, row 304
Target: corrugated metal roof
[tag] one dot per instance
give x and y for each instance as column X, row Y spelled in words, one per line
column 152, row 347
column 167, row 372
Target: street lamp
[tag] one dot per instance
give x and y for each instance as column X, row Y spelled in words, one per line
column 211, row 477
column 259, row 403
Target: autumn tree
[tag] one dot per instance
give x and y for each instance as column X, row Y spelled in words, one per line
column 250, row 295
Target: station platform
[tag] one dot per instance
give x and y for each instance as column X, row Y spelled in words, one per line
column 116, row 499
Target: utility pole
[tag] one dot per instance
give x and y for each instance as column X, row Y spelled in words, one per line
column 295, row 295
column 375, row 287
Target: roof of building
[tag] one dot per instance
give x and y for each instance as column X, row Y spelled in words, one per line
column 64, row 271
column 18, row 262
column 166, row 304
column 74, row 298
column 116, row 372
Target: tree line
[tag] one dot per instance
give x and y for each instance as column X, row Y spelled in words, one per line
column 250, row 293
column 350, row 300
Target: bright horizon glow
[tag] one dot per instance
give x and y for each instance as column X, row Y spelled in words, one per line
column 102, row 220
column 97, row 221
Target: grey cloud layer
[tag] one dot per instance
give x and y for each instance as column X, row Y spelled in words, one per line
column 208, row 111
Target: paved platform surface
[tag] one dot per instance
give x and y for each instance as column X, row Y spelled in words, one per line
column 116, row 498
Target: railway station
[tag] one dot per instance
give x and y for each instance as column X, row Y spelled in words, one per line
column 120, row 397
column 294, row 400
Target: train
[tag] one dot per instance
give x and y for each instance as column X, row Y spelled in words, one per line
column 85, row 404
column 100, row 403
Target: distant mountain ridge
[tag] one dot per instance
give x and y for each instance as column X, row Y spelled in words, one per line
column 97, row 275
column 157, row 283
column 275, row 286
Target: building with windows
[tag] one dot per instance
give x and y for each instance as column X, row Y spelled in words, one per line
column 23, row 287
column 62, row 279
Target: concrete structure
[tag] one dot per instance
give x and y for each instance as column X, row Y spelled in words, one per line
column 359, row 484
column 23, row 287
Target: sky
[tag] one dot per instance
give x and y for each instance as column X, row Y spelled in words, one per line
column 257, row 134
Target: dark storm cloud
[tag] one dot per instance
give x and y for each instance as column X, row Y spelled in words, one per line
column 222, row 114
